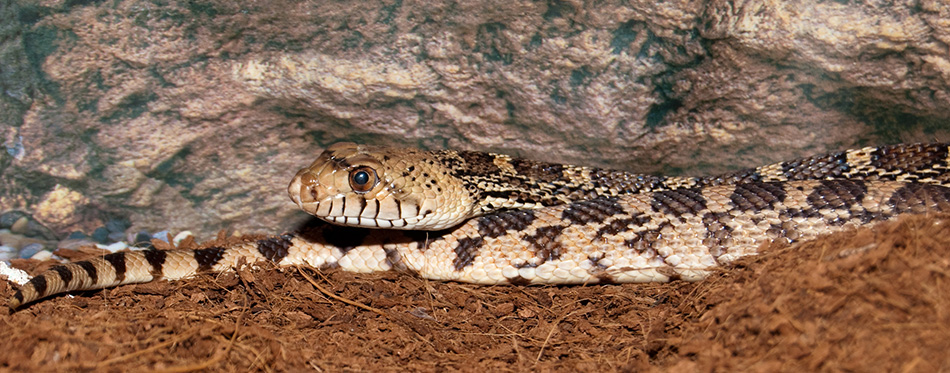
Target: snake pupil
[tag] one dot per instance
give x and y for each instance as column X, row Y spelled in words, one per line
column 361, row 178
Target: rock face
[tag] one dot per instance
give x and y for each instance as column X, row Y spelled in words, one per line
column 194, row 115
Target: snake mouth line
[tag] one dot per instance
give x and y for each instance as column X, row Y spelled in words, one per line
column 366, row 222
column 336, row 209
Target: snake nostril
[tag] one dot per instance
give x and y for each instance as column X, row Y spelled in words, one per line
column 313, row 193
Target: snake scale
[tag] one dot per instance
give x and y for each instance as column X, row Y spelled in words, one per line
column 491, row 219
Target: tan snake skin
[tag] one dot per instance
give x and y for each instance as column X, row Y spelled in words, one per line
column 432, row 190
column 561, row 224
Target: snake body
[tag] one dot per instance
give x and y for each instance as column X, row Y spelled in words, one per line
column 491, row 219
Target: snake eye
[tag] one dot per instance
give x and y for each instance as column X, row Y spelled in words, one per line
column 362, row 179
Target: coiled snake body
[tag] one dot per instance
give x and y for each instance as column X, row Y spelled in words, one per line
column 490, row 219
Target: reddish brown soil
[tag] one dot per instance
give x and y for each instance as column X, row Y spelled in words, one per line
column 869, row 300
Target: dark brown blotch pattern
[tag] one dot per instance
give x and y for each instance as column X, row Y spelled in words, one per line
column 545, row 172
column 465, row 252
column 495, row 225
column 64, row 273
column 678, row 202
column 757, row 196
column 156, row 260
column 275, row 249
column 837, row 194
column 592, row 211
column 820, row 167
column 39, row 285
column 914, row 159
column 207, row 258
column 474, row 164
column 742, row 176
column 920, row 198
column 91, row 271
column 117, row 260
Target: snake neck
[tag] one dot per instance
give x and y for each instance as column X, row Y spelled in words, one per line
column 498, row 182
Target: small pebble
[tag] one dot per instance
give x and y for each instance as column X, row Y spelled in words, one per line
column 142, row 236
column 35, row 229
column 100, row 235
column 29, row 250
column 74, row 243
column 42, row 255
column 7, row 253
column 76, row 236
column 163, row 235
column 142, row 239
column 19, row 227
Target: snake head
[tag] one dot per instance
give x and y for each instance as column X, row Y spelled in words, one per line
column 380, row 187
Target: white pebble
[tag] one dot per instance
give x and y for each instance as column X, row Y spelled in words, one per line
column 113, row 247
column 42, row 255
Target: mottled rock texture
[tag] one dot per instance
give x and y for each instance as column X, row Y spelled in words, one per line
column 195, row 114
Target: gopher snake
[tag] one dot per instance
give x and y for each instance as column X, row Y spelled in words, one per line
column 490, row 219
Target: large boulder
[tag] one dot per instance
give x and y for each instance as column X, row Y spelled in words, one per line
column 195, row 114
